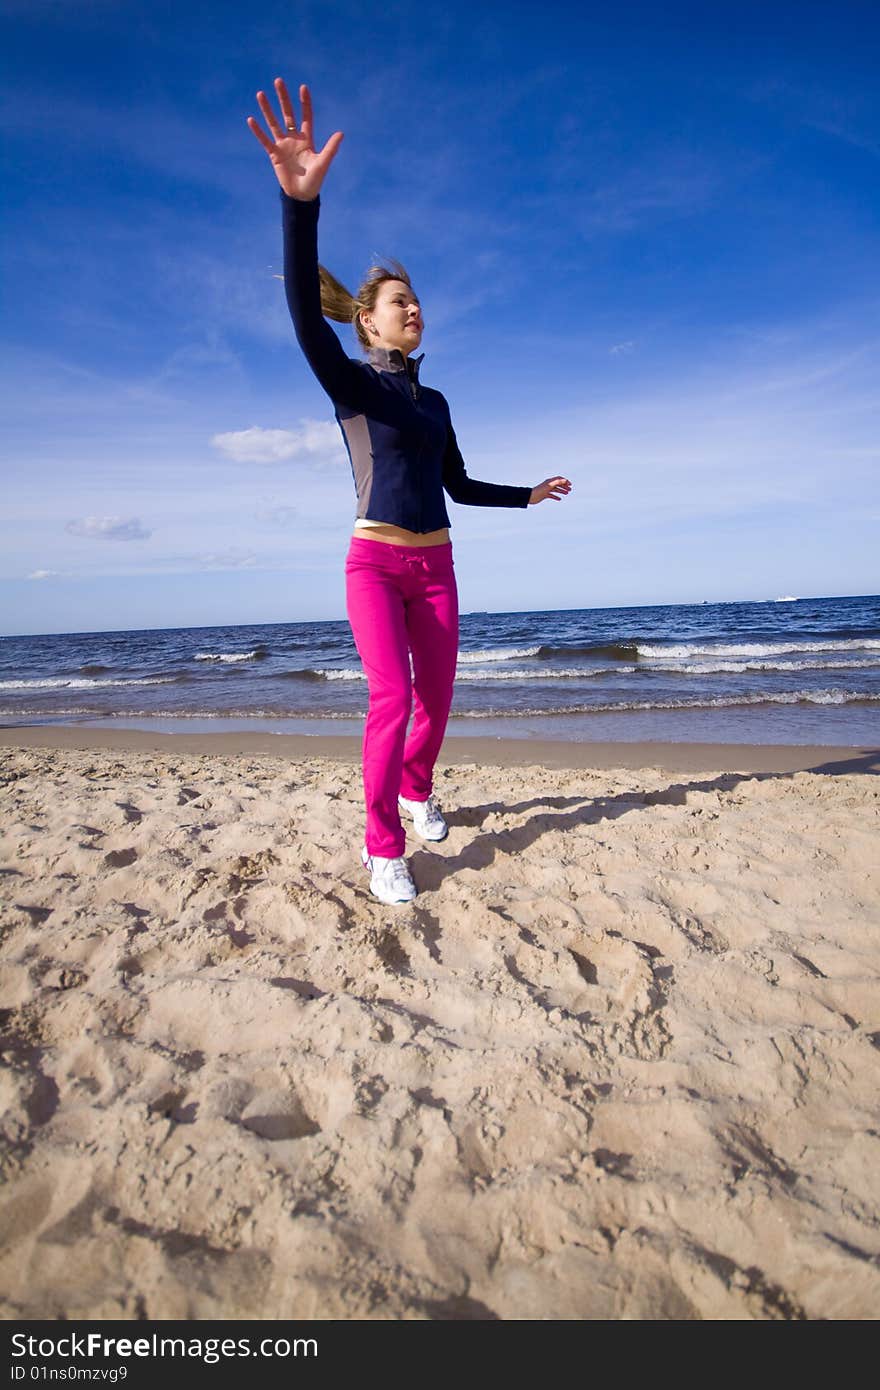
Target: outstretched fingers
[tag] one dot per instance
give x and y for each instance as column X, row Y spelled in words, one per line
column 261, row 135
column 330, row 148
column 305, row 100
column 271, row 119
column 286, row 104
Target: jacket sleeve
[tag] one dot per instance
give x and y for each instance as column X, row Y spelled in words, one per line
column 470, row 491
column 336, row 372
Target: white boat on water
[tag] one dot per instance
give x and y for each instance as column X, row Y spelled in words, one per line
column 786, row 598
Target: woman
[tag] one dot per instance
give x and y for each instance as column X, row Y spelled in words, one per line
column 401, row 594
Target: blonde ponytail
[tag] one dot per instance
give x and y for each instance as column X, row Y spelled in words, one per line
column 339, row 304
column 336, row 301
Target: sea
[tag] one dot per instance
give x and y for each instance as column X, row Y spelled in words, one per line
column 789, row 670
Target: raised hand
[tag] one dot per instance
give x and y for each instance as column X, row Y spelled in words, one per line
column 299, row 168
column 557, row 488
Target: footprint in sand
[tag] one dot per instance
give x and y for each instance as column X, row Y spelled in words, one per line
column 390, row 950
column 271, row 1111
column 36, row 915
column 120, row 858
column 170, row 1106
column 611, row 983
column 303, row 988
column 249, row 869
column 63, row 977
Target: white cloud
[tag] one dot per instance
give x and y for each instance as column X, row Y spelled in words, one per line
column 108, row 528
column 319, row 440
column 845, row 115
column 620, row 349
column 44, row 574
column 226, row 560
column 670, row 184
column 280, row 516
column 209, row 356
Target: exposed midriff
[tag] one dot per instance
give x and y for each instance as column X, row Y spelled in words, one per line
column 398, row 535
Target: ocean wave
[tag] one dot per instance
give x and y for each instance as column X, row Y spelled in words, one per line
column 533, row 675
column 496, row 654
column 75, row 683
column 789, row 697
column 634, row 650
column 616, row 651
column 311, row 673
column 708, row 668
column 811, row 697
column 558, row 673
column 257, row 654
column 183, row 713
column 683, row 650
column 351, row 673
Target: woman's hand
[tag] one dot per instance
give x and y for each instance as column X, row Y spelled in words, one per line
column 300, row 170
column 557, row 488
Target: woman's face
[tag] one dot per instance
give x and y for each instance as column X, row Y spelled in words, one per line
column 397, row 317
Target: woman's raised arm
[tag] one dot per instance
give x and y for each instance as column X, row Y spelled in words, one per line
column 300, row 172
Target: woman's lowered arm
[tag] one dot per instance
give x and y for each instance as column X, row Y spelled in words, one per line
column 474, row 493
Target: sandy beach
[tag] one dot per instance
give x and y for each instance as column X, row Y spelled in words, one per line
column 618, row 1059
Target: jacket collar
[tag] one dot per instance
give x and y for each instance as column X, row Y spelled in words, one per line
column 394, row 361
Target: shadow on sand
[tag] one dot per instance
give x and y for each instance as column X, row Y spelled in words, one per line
column 553, row 815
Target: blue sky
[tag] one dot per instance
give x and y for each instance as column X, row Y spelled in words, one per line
column 644, row 237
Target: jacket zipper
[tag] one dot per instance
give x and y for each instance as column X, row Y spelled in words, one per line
column 412, row 391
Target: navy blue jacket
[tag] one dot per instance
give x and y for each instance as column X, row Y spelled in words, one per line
column 398, row 433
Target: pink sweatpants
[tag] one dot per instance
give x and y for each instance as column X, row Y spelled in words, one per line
column 401, row 600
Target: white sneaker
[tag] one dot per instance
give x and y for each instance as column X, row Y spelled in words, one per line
column 427, row 820
column 390, row 879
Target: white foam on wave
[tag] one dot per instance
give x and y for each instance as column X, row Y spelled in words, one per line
column 793, row 697
column 548, row 673
column 708, row 668
column 534, row 675
column 496, row 654
column 345, row 673
column 82, row 682
column 788, row 697
column 187, row 713
column 684, row 650
column 226, row 656
column 350, row 673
